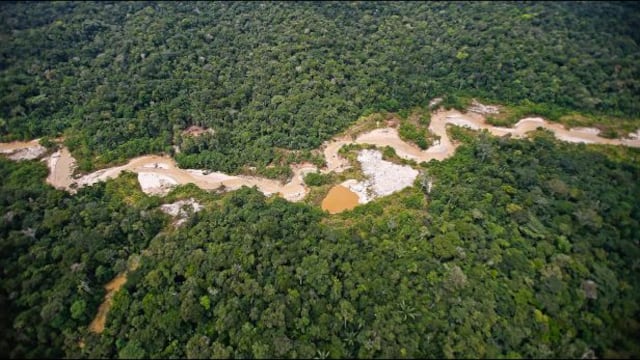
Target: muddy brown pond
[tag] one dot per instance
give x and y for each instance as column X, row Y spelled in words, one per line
column 339, row 199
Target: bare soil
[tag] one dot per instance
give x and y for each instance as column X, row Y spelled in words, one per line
column 157, row 174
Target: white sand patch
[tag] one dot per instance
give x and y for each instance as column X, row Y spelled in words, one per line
column 92, row 178
column 535, row 120
column 586, row 130
column 435, row 101
column 500, row 131
column 52, row 160
column 386, row 177
column 573, row 139
column 100, row 175
column 294, row 197
column 152, row 183
column 634, row 135
column 197, row 172
column 26, row 153
column 460, row 121
column 360, row 188
column 181, row 209
column 23, row 150
column 383, row 177
column 211, row 176
column 437, row 149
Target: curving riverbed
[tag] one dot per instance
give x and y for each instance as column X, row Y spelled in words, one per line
column 157, row 174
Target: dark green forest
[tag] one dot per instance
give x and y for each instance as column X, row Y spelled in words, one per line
column 519, row 249
column 120, row 79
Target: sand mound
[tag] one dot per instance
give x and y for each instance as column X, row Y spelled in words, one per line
column 386, row 177
column 383, row 177
column 181, row 209
column 152, row 183
column 460, row 121
column 586, row 130
column 573, row 139
column 23, row 150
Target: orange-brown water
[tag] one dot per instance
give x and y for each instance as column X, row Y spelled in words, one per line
column 339, row 199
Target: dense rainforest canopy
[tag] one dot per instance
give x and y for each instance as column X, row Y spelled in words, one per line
column 124, row 78
column 518, row 248
column 521, row 249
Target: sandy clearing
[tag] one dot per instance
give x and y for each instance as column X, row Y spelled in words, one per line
column 101, row 175
column 480, row 108
column 573, row 139
column 177, row 208
column 7, row 148
column 534, row 120
column 386, row 177
column 389, row 137
column 296, row 190
column 587, row 130
column 382, row 177
column 61, row 166
column 460, row 121
column 29, row 153
column 152, row 183
column 335, row 162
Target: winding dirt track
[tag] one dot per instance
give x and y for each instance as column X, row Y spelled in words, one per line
column 112, row 287
column 163, row 168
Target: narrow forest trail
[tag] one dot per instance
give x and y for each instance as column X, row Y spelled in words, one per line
column 157, row 174
column 112, row 287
